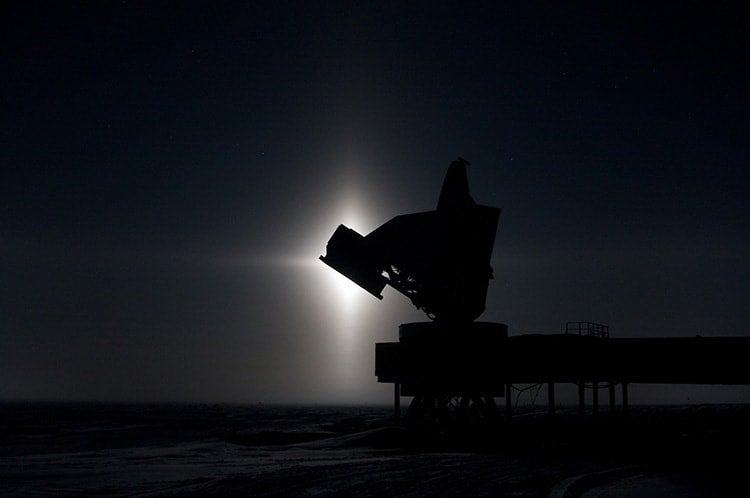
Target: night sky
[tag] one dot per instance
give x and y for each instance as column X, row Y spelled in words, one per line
column 170, row 173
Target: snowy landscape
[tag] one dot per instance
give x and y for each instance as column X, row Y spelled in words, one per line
column 255, row 450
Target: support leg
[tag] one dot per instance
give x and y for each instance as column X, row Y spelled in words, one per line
column 551, row 399
column 581, row 400
column 595, row 408
column 397, row 401
column 611, row 398
column 508, row 402
column 625, row 397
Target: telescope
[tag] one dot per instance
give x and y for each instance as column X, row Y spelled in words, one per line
column 454, row 367
column 439, row 259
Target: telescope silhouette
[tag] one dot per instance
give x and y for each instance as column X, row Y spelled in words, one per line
column 439, row 259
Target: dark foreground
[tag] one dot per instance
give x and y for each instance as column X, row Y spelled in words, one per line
column 225, row 450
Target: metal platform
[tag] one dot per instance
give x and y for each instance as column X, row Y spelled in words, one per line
column 455, row 367
column 466, row 364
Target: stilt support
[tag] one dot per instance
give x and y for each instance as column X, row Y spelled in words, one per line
column 397, row 401
column 595, row 408
column 509, row 402
column 581, row 400
column 551, row 399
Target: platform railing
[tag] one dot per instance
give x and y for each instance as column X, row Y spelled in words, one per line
column 587, row 328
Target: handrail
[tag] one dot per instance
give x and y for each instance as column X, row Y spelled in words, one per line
column 587, row 328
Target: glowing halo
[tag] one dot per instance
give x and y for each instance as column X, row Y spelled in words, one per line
column 347, row 295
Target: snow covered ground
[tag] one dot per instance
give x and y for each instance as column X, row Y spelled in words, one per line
column 224, row 450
